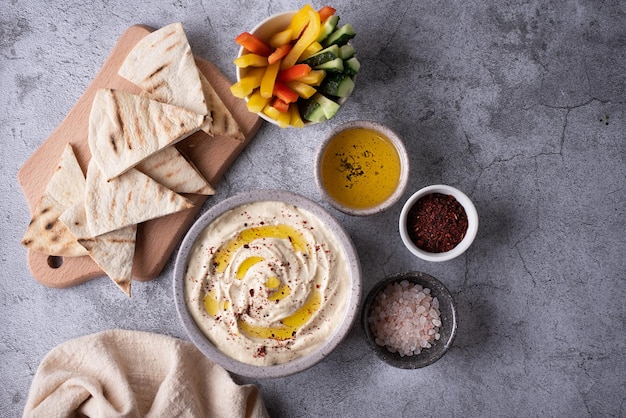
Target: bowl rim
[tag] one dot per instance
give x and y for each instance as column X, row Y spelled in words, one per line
column 255, row 29
column 404, row 166
column 472, row 223
column 303, row 362
column 426, row 280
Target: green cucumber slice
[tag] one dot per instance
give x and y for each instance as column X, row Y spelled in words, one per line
column 335, row 65
column 313, row 112
column 325, row 55
column 328, row 27
column 352, row 66
column 340, row 36
column 346, row 51
column 337, row 84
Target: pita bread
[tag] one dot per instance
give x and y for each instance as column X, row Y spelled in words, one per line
column 170, row 168
column 66, row 187
column 113, row 251
column 163, row 65
column 129, row 199
column 125, row 129
column 223, row 124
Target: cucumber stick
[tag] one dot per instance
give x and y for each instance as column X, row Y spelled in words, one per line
column 328, row 27
column 320, row 108
column 335, row 66
column 340, row 36
column 338, row 85
column 325, row 55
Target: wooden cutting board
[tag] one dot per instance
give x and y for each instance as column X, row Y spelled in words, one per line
column 156, row 239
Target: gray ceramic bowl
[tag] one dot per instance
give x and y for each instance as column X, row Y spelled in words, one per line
column 404, row 167
column 303, row 362
column 447, row 330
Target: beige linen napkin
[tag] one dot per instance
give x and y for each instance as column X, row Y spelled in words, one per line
column 121, row 373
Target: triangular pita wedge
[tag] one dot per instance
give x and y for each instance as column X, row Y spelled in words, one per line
column 206, row 126
column 128, row 199
column 224, row 124
column 66, row 187
column 163, row 65
column 125, row 129
column 170, row 168
column 113, row 251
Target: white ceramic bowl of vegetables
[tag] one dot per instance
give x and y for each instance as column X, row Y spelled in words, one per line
column 296, row 68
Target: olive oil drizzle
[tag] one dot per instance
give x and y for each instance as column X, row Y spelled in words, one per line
column 277, row 291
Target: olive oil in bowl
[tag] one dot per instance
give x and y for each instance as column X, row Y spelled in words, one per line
column 362, row 168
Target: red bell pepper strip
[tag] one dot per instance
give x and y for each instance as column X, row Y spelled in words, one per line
column 253, row 44
column 278, row 53
column 280, row 105
column 283, row 92
column 293, row 73
column 326, row 12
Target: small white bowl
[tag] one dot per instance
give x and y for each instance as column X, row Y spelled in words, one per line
column 472, row 223
column 404, row 167
column 264, row 30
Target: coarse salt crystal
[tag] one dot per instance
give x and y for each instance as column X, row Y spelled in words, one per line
column 405, row 318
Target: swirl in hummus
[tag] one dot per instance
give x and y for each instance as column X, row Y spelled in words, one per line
column 267, row 282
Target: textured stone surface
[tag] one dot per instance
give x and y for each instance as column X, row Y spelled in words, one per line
column 522, row 105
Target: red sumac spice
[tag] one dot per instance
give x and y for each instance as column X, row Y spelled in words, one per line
column 437, row 223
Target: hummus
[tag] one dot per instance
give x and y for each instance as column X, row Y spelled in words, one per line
column 267, row 282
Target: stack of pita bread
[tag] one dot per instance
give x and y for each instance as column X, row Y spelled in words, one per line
column 135, row 173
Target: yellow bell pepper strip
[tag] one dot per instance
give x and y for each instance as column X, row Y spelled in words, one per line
column 283, row 119
column 295, row 119
column 253, row 44
column 250, row 81
column 279, row 53
column 251, row 60
column 299, row 21
column 271, row 111
column 304, row 90
column 313, row 78
column 314, row 48
column 281, row 38
column 256, row 102
column 269, row 78
column 309, row 35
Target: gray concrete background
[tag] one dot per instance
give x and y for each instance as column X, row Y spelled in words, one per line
column 521, row 104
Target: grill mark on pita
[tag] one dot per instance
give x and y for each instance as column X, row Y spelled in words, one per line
column 120, row 121
column 120, row 241
column 172, row 46
column 88, row 243
column 156, row 72
column 112, row 211
column 156, row 87
column 50, row 225
column 113, row 144
column 168, row 34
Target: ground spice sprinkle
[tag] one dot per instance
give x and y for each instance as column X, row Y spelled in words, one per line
column 437, row 223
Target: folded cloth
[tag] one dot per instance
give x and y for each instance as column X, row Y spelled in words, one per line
column 121, row 373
